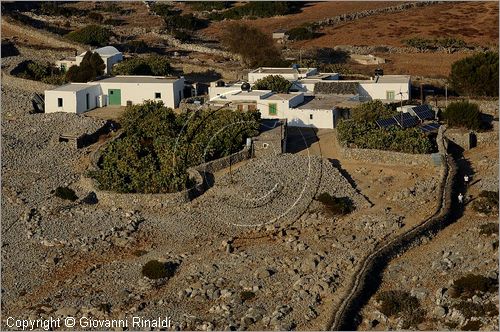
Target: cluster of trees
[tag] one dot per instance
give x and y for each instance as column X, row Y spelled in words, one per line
column 94, row 35
column 155, row 65
column 476, row 75
column 91, row 67
column 276, row 83
column 178, row 24
column 463, row 114
column 254, row 9
column 449, row 43
column 160, row 145
column 254, row 46
column 37, row 71
column 362, row 132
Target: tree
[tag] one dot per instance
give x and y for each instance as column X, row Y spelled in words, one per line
column 371, row 111
column 91, row 67
column 276, row 83
column 463, row 114
column 254, row 46
column 476, row 75
column 153, row 65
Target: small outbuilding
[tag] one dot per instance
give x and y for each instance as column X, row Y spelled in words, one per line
column 109, row 54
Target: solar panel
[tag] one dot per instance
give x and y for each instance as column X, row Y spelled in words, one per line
column 405, row 120
column 430, row 127
column 386, row 123
column 423, row 112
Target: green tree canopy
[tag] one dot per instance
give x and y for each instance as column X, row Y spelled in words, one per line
column 476, row 75
column 155, row 65
column 94, row 35
column 91, row 67
column 463, row 114
column 371, row 111
column 276, row 83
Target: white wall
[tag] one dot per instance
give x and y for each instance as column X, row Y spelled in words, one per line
column 81, row 99
column 73, row 101
column 379, row 90
column 111, row 61
column 140, row 92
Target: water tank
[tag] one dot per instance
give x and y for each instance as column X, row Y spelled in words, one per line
column 379, row 72
column 220, row 84
column 245, row 86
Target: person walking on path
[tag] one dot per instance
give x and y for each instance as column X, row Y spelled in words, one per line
column 466, row 181
column 460, row 198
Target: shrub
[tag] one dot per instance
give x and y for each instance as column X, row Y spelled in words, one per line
column 66, row 193
column 472, row 325
column 336, row 205
column 187, row 22
column 159, row 146
column 259, row 9
column 209, row 5
column 488, row 229
column 419, row 43
column 135, row 46
column 476, row 75
column 371, row 111
column 276, row 83
column 246, row 295
column 94, row 35
column 400, row 303
column 95, row 17
column 472, row 283
column 114, row 21
column 486, row 203
column 303, row 32
column 153, row 65
column 463, row 114
column 256, row 48
column 91, row 67
column 158, row 270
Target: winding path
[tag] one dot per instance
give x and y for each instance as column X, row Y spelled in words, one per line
column 368, row 277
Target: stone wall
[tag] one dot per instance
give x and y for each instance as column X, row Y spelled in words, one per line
column 387, row 157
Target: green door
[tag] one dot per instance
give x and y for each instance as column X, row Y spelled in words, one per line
column 115, row 96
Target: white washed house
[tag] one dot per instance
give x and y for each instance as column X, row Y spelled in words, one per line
column 114, row 91
column 109, row 54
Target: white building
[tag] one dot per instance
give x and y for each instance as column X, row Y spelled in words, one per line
column 296, row 108
column 114, row 91
column 291, row 74
column 109, row 54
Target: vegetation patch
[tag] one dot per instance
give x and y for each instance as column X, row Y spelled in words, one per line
column 66, row 193
column 94, row 35
column 463, row 114
column 276, row 83
column 303, row 32
column 489, row 229
column 486, row 203
column 155, row 65
column 476, row 75
column 401, row 304
column 158, row 270
column 254, row 9
column 159, row 146
column 38, row 71
column 336, row 206
column 472, row 284
column 472, row 325
column 92, row 66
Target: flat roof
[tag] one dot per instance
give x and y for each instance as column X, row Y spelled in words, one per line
column 282, row 96
column 138, row 79
column 72, row 87
column 392, row 79
column 251, row 93
column 328, row 102
column 270, row 70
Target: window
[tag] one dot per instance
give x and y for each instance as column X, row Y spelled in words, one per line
column 111, row 92
column 310, row 116
column 157, row 95
column 273, row 109
column 59, row 102
column 252, row 107
column 390, row 95
column 240, row 107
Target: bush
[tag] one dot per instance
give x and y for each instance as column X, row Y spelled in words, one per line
column 209, row 5
column 259, row 9
column 44, row 72
column 303, row 32
column 476, row 75
column 463, row 114
column 155, row 65
column 96, row 17
column 489, row 229
column 91, row 67
column 246, row 295
column 94, row 35
column 367, row 135
column 157, row 270
column 256, row 48
column 135, row 46
column 187, row 22
column 400, row 303
column 159, row 146
column 371, row 111
column 336, row 205
column 66, row 193
column 276, row 83
column 472, row 283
